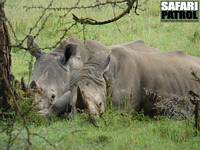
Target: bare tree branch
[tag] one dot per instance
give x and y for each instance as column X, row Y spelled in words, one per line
column 96, row 5
column 130, row 5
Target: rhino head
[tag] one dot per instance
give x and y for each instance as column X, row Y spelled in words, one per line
column 91, row 88
column 52, row 72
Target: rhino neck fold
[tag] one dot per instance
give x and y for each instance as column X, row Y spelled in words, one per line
column 62, row 66
column 89, row 73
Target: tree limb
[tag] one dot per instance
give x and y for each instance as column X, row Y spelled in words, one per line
column 130, row 5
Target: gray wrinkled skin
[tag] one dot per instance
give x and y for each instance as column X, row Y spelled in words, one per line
column 53, row 71
column 92, row 97
column 76, row 89
column 89, row 87
column 81, row 75
column 126, row 73
column 46, row 74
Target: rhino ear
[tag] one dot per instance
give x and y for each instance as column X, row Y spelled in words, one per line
column 70, row 51
column 105, row 65
column 33, row 48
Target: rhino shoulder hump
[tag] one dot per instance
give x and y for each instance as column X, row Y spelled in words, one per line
column 95, row 45
column 120, row 52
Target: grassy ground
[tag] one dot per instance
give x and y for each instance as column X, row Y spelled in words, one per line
column 116, row 131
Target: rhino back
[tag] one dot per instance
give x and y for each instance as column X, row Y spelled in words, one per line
column 169, row 74
column 139, row 46
column 131, row 72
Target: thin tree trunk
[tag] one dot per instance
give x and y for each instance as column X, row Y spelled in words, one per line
column 7, row 96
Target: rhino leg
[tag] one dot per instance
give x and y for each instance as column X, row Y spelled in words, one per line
column 59, row 106
column 73, row 103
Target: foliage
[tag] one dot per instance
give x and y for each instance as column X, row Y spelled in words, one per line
column 116, row 130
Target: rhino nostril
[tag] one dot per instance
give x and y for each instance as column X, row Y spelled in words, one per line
column 53, row 96
column 100, row 103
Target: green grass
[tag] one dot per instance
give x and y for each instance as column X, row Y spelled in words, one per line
column 115, row 131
